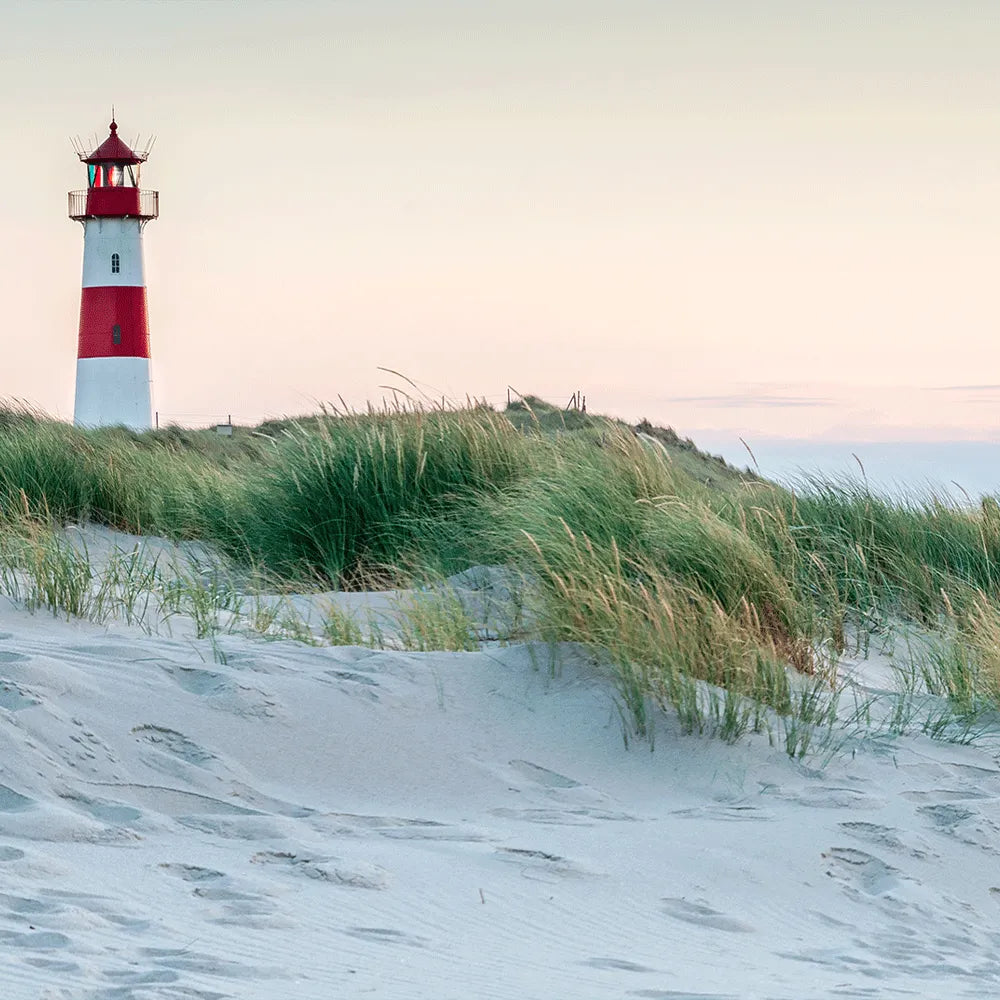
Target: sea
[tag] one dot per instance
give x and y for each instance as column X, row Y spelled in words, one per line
column 963, row 471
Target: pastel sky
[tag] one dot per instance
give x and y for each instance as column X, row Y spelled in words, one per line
column 773, row 218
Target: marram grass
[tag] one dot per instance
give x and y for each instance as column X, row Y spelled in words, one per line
column 683, row 575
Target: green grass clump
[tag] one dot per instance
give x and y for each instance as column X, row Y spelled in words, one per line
column 435, row 621
column 623, row 508
column 43, row 570
column 660, row 634
column 340, row 628
column 355, row 498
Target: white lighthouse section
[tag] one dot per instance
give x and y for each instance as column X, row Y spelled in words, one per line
column 103, row 239
column 112, row 391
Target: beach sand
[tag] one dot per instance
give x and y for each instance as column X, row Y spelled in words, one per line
column 235, row 818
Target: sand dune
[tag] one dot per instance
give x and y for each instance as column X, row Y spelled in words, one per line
column 185, row 818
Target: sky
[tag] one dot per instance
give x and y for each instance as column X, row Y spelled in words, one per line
column 776, row 220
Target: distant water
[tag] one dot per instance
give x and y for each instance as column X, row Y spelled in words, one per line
column 897, row 468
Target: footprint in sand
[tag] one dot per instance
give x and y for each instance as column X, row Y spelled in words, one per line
column 23, row 904
column 826, row 797
column 701, row 914
column 351, row 675
column 57, row 902
column 946, row 817
column 35, row 940
column 11, row 801
column 386, row 935
column 352, row 682
column 394, row 827
column 185, row 960
column 222, row 692
column 13, row 697
column 965, row 825
column 191, row 873
column 616, row 965
column 425, row 830
column 212, row 885
column 540, row 865
column 938, row 795
column 542, row 775
column 52, row 964
column 238, row 907
column 324, row 869
column 130, row 978
column 862, row 871
column 882, row 836
column 174, row 743
column 114, row 813
column 252, row 827
column 199, row 682
column 725, row 813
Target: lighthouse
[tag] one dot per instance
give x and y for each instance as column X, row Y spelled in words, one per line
column 112, row 368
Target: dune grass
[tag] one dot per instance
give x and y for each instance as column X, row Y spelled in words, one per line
column 711, row 592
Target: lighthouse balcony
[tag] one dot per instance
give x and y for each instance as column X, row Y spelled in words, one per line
column 114, row 202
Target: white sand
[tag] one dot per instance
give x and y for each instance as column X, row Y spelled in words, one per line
column 301, row 822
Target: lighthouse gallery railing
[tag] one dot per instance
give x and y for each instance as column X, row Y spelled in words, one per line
column 82, row 203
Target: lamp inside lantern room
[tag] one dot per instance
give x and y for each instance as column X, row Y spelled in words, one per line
column 112, row 175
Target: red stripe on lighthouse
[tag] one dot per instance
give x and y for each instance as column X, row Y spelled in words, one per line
column 104, row 309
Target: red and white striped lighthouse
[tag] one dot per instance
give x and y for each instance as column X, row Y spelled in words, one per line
column 112, row 368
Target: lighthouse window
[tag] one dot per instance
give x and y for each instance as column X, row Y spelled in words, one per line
column 116, row 334
column 116, row 264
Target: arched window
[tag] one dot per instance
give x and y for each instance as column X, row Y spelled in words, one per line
column 116, row 264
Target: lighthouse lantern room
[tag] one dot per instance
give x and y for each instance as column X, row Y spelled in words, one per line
column 112, row 368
